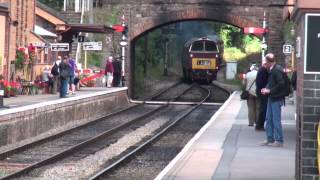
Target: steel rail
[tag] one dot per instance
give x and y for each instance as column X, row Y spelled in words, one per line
column 24, row 147
column 149, row 141
column 68, row 151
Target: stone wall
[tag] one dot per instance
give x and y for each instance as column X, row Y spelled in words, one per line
column 38, row 119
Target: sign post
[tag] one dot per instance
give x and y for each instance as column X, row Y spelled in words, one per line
column 287, row 49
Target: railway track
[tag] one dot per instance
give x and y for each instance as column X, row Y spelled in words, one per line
column 53, row 149
column 101, row 174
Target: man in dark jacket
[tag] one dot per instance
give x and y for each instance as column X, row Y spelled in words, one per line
column 274, row 90
column 261, row 82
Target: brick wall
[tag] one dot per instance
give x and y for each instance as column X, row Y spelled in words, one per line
column 308, row 111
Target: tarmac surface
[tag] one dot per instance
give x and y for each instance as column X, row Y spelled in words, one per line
column 228, row 149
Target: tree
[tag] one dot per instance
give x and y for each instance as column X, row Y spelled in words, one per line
column 55, row 4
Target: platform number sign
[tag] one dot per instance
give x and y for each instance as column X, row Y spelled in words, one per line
column 287, row 49
column 312, row 44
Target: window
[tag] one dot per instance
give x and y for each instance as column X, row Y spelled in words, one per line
column 197, row 46
column 210, row 46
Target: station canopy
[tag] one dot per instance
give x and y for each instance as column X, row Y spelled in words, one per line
column 88, row 28
column 43, row 32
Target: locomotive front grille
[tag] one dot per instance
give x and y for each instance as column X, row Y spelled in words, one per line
column 203, row 63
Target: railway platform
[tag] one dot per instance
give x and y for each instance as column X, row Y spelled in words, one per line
column 29, row 118
column 226, row 148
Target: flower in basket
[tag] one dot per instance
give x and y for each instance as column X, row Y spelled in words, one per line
column 32, row 53
column 21, row 57
column 15, row 86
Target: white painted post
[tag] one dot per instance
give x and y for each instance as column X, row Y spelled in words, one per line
column 264, row 38
column 64, row 5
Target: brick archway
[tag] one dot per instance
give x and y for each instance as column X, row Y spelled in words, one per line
column 189, row 14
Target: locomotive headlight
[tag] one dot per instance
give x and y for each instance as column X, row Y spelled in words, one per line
column 191, row 55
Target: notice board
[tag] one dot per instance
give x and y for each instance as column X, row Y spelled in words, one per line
column 312, row 44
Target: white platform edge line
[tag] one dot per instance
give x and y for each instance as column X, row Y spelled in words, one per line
column 191, row 142
column 58, row 101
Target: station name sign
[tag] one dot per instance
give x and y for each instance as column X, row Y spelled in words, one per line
column 312, row 44
column 92, row 46
column 59, row 46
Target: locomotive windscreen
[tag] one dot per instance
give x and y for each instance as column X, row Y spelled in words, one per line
column 204, row 46
column 210, row 46
column 197, row 46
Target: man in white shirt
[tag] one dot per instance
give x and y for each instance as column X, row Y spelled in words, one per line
column 252, row 102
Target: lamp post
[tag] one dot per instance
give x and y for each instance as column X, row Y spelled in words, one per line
column 264, row 46
column 123, row 44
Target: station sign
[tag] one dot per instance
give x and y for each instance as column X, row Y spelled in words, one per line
column 287, row 49
column 312, row 44
column 59, row 46
column 92, row 46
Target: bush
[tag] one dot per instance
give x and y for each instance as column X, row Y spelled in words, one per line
column 233, row 54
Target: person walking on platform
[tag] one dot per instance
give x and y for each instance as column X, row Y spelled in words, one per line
column 274, row 90
column 73, row 68
column 261, row 82
column 109, row 71
column 252, row 99
column 55, row 74
column 64, row 69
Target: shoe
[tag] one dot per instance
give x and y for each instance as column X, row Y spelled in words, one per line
column 265, row 143
column 250, row 124
column 259, row 129
column 276, row 144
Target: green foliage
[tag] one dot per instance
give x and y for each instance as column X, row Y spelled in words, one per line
column 288, row 31
column 55, row 4
column 233, row 54
column 94, row 59
column 252, row 44
column 19, row 59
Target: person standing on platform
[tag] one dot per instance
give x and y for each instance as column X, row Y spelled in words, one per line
column 274, row 90
column 55, row 74
column 64, row 69
column 73, row 68
column 116, row 73
column 109, row 71
column 261, row 82
column 252, row 99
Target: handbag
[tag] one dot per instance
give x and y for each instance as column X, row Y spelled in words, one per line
column 245, row 94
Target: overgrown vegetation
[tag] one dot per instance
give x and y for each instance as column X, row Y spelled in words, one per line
column 55, row 4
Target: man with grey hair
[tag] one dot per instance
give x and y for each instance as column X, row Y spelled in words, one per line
column 274, row 91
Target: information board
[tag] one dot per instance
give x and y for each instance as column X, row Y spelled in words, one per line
column 312, row 44
column 59, row 46
column 92, row 46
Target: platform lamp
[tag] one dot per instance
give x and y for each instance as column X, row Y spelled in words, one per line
column 123, row 44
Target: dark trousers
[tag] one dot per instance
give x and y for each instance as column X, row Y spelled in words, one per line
column 262, row 112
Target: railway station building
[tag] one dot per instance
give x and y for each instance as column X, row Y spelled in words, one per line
column 306, row 16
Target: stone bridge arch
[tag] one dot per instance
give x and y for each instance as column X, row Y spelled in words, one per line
column 151, row 23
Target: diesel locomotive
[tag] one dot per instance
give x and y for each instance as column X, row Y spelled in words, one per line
column 202, row 58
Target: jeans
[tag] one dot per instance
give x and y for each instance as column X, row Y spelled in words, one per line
column 63, row 87
column 273, row 121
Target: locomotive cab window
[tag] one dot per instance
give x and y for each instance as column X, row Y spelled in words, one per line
column 210, row 46
column 197, row 46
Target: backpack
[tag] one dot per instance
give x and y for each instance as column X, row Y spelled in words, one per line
column 287, row 85
column 55, row 70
